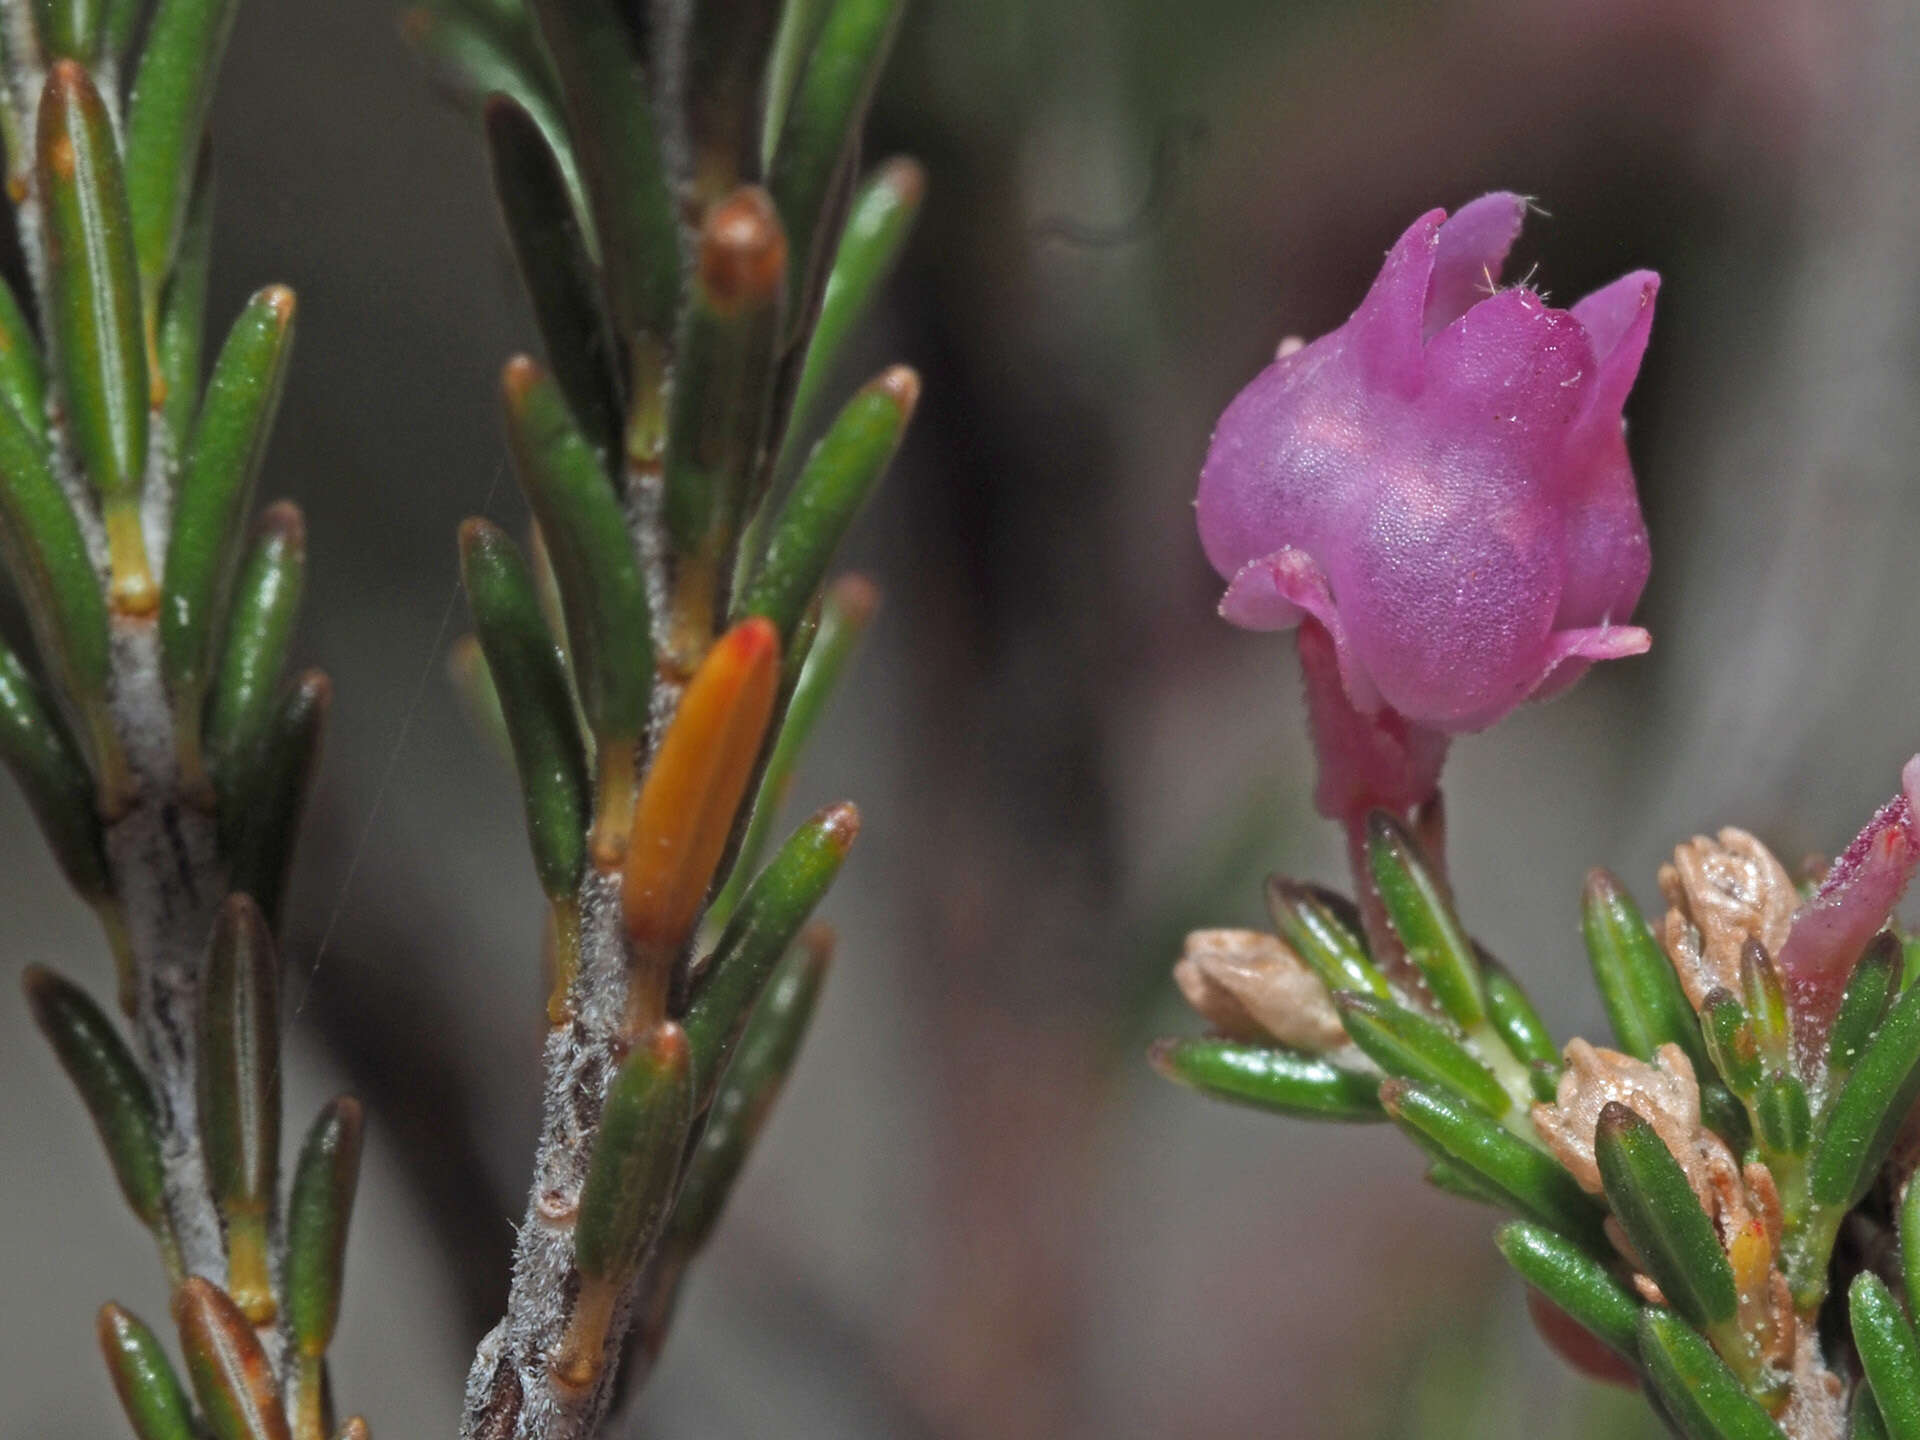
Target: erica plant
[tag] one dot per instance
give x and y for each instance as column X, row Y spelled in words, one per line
column 683, row 190
column 1437, row 498
column 156, row 738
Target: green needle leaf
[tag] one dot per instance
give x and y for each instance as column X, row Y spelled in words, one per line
column 1864, row 1118
column 183, row 309
column 747, row 1094
column 526, row 672
column 762, row 930
column 1531, row 1180
column 1765, row 996
column 1643, row 997
column 477, row 59
column 229, row 1371
column 876, row 232
column 166, row 123
column 1910, row 1241
column 266, row 603
column 1307, row 1087
column 847, row 610
column 15, row 55
column 265, row 822
column 1515, row 1019
column 1704, row 1398
column 1730, row 1040
column 507, row 21
column 728, row 46
column 52, row 775
column 1575, row 1281
column 1417, row 906
column 1724, row 1115
column 1889, row 1353
column 1655, row 1205
column 636, row 1157
column 556, row 265
column 68, row 29
column 723, row 389
column 122, row 19
column 149, row 1391
column 319, row 1204
column 822, row 126
column 828, row 493
column 611, row 119
column 111, row 1085
column 1327, row 941
column 47, row 558
column 792, row 44
column 216, row 489
column 1413, row 1047
column 1782, row 1115
column 238, row 1075
column 95, row 314
column 1862, row 1006
column 23, row 376
column 1865, row 1419
column 602, row 593
column 1450, row 1179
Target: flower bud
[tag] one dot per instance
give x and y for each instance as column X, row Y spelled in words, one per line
column 1250, row 986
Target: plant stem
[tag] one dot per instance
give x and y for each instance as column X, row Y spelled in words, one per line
column 512, row 1390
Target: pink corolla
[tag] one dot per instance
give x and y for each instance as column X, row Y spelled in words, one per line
column 1442, row 484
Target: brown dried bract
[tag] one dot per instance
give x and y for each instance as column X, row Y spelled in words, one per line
column 1251, row 986
column 1722, row 892
column 1664, row 1094
column 1744, row 1204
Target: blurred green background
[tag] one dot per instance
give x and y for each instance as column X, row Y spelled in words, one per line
column 978, row 1215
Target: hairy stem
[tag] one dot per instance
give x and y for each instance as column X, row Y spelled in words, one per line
column 512, row 1390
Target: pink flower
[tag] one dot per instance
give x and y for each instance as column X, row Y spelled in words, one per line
column 1442, row 482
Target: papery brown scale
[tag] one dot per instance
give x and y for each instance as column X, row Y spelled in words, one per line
column 1251, row 986
column 1664, row 1094
column 1724, row 891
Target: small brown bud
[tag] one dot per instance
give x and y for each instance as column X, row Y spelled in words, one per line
column 1251, row 986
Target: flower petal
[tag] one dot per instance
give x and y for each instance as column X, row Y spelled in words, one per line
column 1607, row 554
column 1611, row 310
column 1282, row 463
column 1449, row 582
column 1276, row 591
column 1507, row 371
column 1384, row 336
column 1258, row 597
column 1570, row 652
column 1618, row 318
column 1471, row 252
